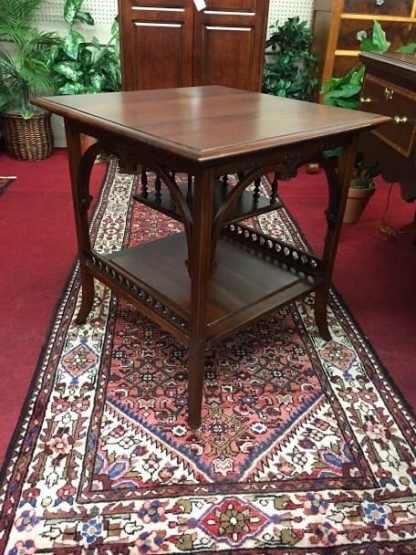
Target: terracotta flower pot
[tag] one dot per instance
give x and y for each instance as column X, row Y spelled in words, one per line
column 86, row 142
column 356, row 202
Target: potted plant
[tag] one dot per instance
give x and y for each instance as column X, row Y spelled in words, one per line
column 345, row 92
column 289, row 66
column 82, row 65
column 24, row 74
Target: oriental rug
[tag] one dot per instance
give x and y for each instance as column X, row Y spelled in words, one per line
column 305, row 445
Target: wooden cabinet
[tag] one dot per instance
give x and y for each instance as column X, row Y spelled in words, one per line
column 339, row 25
column 389, row 88
column 168, row 43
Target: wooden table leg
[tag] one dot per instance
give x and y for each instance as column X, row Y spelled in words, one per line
column 338, row 184
column 199, row 259
column 80, row 175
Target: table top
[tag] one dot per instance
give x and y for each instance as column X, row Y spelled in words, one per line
column 210, row 122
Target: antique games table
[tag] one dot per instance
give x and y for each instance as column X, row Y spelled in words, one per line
column 219, row 274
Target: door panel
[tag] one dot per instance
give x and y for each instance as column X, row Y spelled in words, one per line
column 227, row 51
column 156, row 43
column 231, row 5
column 229, row 38
column 158, row 55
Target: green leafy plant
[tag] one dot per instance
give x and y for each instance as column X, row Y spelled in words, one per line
column 24, row 71
column 290, row 66
column 345, row 91
column 82, row 65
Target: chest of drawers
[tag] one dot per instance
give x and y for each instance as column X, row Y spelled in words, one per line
column 390, row 89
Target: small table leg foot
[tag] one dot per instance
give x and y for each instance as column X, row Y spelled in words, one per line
column 321, row 317
column 196, row 369
column 87, row 300
column 194, row 421
column 324, row 330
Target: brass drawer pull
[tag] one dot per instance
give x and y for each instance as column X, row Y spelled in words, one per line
column 365, row 99
column 398, row 120
column 388, row 93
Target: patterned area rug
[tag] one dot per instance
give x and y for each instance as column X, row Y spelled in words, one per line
column 305, row 445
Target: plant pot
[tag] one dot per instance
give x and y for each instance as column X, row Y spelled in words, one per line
column 86, row 142
column 357, row 200
column 28, row 139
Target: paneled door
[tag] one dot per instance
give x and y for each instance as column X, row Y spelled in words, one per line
column 156, row 43
column 229, row 43
column 169, row 43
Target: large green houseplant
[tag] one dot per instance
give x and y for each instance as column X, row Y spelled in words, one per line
column 290, row 66
column 24, row 74
column 82, row 65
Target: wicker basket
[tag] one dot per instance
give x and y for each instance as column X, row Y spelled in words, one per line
column 28, row 139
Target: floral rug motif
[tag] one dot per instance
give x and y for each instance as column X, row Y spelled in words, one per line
column 305, row 445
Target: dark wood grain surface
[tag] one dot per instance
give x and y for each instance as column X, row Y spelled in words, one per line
column 209, row 122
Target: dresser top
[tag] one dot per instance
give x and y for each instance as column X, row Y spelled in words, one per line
column 393, row 66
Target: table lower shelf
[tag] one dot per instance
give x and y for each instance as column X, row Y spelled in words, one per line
column 245, row 283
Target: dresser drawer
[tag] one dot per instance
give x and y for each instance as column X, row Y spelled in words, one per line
column 352, row 30
column 384, row 97
column 402, row 8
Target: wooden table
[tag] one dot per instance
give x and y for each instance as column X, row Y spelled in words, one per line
column 218, row 275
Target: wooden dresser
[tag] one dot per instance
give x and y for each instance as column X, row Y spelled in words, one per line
column 169, row 43
column 339, row 25
column 390, row 89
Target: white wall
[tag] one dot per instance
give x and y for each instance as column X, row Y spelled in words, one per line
column 280, row 10
column 104, row 11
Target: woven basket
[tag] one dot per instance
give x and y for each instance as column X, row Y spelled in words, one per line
column 28, row 139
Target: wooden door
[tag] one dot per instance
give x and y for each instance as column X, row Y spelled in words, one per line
column 229, row 43
column 156, row 43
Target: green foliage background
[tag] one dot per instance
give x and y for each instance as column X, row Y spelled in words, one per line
column 290, row 67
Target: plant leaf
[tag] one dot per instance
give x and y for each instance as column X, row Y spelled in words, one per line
column 70, row 70
column 84, row 17
column 378, row 42
column 408, row 48
column 71, row 44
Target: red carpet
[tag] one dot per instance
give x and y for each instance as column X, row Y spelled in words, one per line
column 37, row 245
column 304, row 445
column 375, row 276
